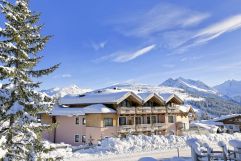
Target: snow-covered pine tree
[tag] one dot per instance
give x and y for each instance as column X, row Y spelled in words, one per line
column 20, row 44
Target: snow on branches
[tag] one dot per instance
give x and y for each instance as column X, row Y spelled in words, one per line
column 20, row 102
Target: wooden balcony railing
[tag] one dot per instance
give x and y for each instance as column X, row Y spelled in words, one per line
column 143, row 110
column 158, row 110
column 158, row 126
column 144, row 127
column 126, row 128
column 126, row 110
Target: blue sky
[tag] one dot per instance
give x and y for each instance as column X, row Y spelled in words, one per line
column 99, row 43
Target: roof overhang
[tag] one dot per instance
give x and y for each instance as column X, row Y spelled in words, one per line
column 173, row 96
column 156, row 96
column 130, row 94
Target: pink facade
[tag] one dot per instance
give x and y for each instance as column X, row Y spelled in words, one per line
column 67, row 129
column 95, row 134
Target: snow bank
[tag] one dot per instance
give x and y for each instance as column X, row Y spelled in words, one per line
column 2, row 151
column 178, row 159
column 235, row 143
column 141, row 143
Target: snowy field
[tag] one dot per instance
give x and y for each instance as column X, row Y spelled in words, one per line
column 134, row 148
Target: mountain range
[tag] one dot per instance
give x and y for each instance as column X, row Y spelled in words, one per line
column 61, row 92
column 231, row 89
column 219, row 100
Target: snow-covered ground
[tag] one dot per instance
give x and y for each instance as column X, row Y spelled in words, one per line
column 137, row 147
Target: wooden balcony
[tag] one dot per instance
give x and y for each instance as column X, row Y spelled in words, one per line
column 143, row 127
column 158, row 110
column 126, row 110
column 143, row 110
column 158, row 126
column 126, row 128
column 173, row 109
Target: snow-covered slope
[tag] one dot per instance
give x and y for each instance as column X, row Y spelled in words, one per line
column 189, row 85
column 230, row 88
column 71, row 90
column 213, row 101
column 143, row 88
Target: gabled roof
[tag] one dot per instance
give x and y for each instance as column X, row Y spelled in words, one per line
column 78, row 111
column 147, row 96
column 96, row 98
column 176, row 97
column 185, row 109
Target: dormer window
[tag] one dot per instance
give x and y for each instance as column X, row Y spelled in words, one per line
column 126, row 103
column 149, row 104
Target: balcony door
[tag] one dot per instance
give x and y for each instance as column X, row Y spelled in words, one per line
column 154, row 119
column 138, row 120
column 130, row 120
column 148, row 120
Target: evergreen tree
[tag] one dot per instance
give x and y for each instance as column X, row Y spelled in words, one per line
column 20, row 44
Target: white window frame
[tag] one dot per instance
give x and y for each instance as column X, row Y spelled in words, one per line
column 39, row 118
column 155, row 117
column 83, row 136
column 83, row 121
column 76, row 120
column 174, row 118
column 125, row 121
column 108, row 125
column 146, row 120
column 75, row 138
column 142, row 120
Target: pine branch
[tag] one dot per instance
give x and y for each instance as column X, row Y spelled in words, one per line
column 20, row 43
column 39, row 73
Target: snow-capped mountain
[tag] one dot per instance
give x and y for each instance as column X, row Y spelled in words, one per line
column 71, row 90
column 213, row 101
column 189, row 85
column 143, row 88
column 230, row 88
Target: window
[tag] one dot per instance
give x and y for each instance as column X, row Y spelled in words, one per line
column 39, row 118
column 171, row 119
column 148, row 119
column 108, row 122
column 153, row 119
column 77, row 120
column 76, row 138
column 122, row 121
column 83, row 139
column 83, row 121
column 126, row 103
column 149, row 104
column 138, row 120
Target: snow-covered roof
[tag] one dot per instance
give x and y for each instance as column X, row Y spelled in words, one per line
column 226, row 117
column 148, row 95
column 173, row 96
column 99, row 97
column 185, row 109
column 206, row 125
column 77, row 111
